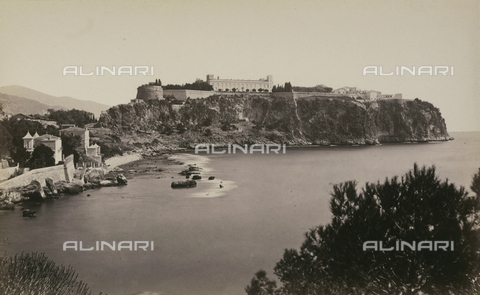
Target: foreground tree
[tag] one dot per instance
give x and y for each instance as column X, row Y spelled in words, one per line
column 261, row 285
column 416, row 207
column 34, row 273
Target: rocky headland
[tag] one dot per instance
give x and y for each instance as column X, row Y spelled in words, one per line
column 249, row 119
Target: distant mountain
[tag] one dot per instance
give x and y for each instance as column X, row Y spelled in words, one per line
column 19, row 105
column 53, row 102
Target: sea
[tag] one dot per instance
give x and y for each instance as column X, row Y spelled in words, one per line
column 210, row 239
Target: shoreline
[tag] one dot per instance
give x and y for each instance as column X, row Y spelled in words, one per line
column 215, row 188
column 171, row 165
column 121, row 160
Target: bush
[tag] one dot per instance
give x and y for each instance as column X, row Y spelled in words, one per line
column 181, row 128
column 228, row 127
column 208, row 132
column 34, row 273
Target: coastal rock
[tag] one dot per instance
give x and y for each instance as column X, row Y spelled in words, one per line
column 28, row 213
column 69, row 188
column 196, row 177
column 89, row 185
column 51, row 186
column 79, row 175
column 211, row 178
column 48, row 193
column 192, row 168
column 6, row 205
column 12, row 196
column 108, row 182
column 121, row 179
column 94, row 175
column 110, row 176
column 33, row 191
column 184, row 184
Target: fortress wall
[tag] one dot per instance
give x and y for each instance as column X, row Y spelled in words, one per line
column 297, row 95
column 183, row 94
column 193, row 94
column 324, row 94
column 180, row 94
column 283, row 94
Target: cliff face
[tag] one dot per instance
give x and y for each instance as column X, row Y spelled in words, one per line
column 250, row 118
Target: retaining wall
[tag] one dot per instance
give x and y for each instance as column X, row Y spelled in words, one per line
column 63, row 172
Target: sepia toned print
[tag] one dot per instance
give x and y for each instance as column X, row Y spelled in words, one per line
column 239, row 147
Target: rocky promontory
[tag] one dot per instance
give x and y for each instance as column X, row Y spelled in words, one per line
column 249, row 119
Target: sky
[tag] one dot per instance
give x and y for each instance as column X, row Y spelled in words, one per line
column 302, row 42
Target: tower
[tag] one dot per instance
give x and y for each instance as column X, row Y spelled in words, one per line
column 28, row 142
column 270, row 82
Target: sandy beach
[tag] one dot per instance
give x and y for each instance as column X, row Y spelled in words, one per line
column 121, row 160
column 208, row 188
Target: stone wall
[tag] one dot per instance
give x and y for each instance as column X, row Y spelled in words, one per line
column 63, row 172
column 297, row 95
column 183, row 94
column 283, row 95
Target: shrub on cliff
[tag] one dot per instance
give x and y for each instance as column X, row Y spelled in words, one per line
column 416, row 207
column 33, row 273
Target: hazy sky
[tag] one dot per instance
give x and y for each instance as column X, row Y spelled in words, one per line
column 303, row 42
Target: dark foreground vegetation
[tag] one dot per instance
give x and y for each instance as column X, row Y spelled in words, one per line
column 414, row 207
column 33, row 273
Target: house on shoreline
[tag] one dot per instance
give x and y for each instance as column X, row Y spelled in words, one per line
column 30, row 142
column 92, row 154
column 83, row 133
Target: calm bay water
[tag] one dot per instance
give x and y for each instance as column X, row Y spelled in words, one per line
column 214, row 245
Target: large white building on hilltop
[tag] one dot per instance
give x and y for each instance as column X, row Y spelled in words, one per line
column 240, row 85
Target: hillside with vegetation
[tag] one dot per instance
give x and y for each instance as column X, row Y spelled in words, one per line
column 14, row 128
